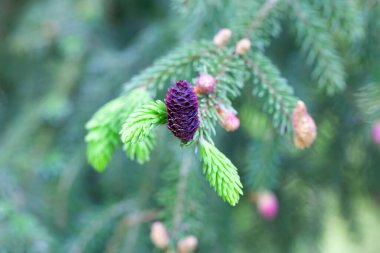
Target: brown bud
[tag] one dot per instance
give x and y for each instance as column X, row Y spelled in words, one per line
column 222, row 37
column 242, row 46
column 187, row 244
column 159, row 235
column 305, row 130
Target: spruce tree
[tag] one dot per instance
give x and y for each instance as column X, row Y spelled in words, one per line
column 188, row 126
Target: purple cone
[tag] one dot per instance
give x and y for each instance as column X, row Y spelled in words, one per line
column 182, row 107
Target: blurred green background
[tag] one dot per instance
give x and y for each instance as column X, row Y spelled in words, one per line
column 60, row 60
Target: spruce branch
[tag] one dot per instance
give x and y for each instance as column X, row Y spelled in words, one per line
column 140, row 150
column 220, row 172
column 182, row 6
column 177, row 65
column 319, row 48
column 345, row 19
column 257, row 22
column 181, row 190
column 138, row 126
column 187, row 208
column 255, row 122
column 262, row 170
column 181, row 197
column 368, row 100
column 96, row 225
column 103, row 128
column 128, row 221
column 260, row 16
column 122, row 208
column 230, row 74
column 277, row 96
column 228, row 70
column 208, row 116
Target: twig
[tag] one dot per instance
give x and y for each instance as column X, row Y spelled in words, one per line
column 263, row 12
column 269, row 86
column 98, row 223
column 181, row 190
column 126, row 222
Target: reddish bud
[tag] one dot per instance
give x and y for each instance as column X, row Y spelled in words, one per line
column 229, row 120
column 205, row 83
column 267, row 205
column 305, row 130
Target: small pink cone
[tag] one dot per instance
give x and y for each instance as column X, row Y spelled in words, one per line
column 205, row 83
column 376, row 132
column 267, row 205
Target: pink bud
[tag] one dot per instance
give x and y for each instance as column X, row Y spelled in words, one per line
column 376, row 132
column 305, row 130
column 230, row 121
column 159, row 235
column 267, row 205
column 222, row 37
column 205, row 83
column 187, row 244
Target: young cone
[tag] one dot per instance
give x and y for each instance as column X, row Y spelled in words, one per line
column 182, row 110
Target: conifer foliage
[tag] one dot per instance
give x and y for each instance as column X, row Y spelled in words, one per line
column 233, row 61
column 232, row 67
column 213, row 126
column 103, row 130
